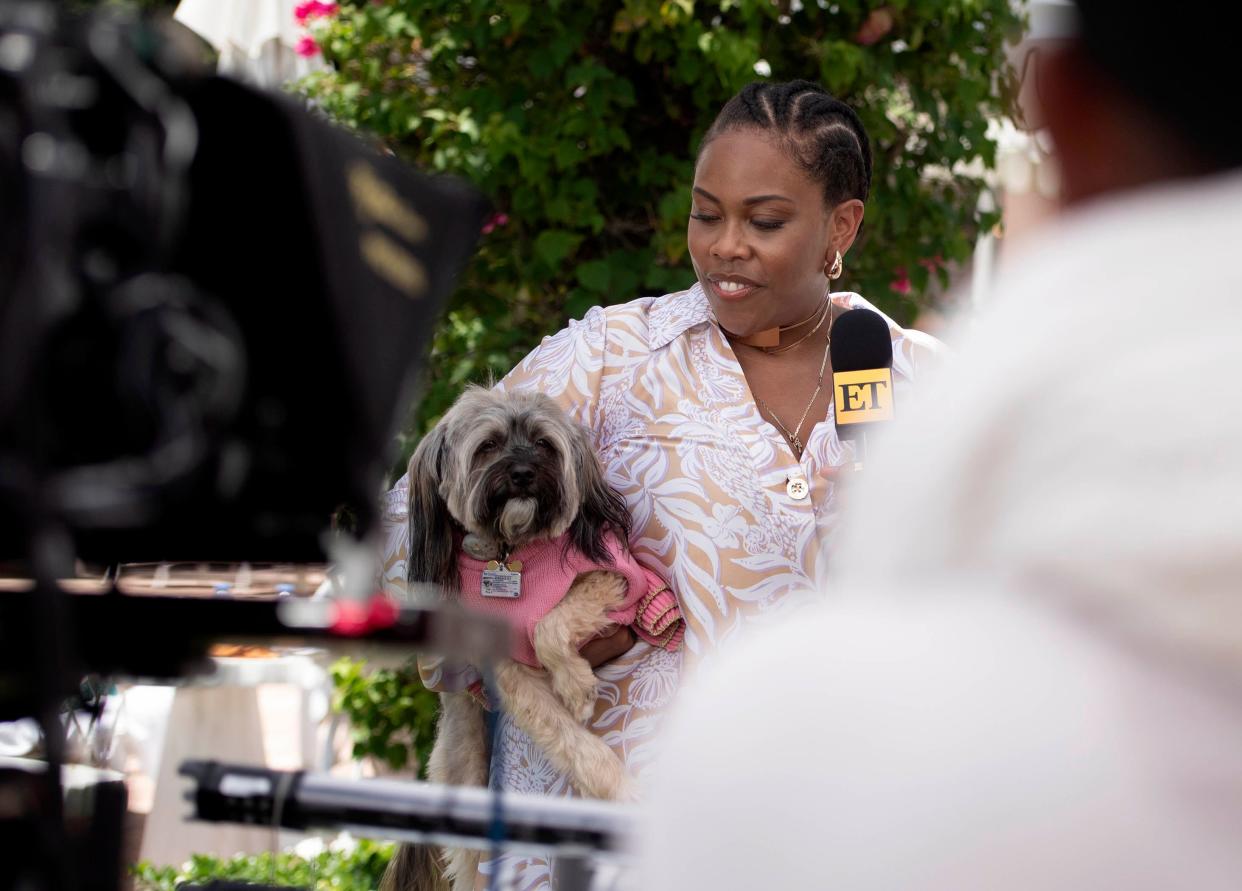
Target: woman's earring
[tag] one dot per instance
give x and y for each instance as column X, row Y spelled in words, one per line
column 837, row 268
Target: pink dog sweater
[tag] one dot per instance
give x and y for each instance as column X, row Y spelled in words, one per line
column 548, row 572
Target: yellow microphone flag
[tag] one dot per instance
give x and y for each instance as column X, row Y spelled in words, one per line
column 863, row 396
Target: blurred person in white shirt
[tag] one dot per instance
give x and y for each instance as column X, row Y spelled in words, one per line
column 1031, row 677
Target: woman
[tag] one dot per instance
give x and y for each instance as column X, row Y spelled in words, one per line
column 711, row 408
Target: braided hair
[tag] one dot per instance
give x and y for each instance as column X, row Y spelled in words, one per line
column 822, row 134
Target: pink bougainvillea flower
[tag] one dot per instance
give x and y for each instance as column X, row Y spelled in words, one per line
column 313, row 9
column 901, row 282
column 875, row 27
column 494, row 222
column 307, row 47
column 932, row 263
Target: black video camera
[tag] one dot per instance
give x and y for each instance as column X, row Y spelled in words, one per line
column 213, row 306
column 212, row 303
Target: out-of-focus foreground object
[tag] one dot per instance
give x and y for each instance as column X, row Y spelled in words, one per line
column 1029, row 676
column 212, row 310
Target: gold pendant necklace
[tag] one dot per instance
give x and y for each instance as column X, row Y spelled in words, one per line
column 795, row 438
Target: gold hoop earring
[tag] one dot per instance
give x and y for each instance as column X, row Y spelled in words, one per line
column 837, row 268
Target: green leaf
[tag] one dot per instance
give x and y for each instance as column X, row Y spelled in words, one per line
column 579, row 302
column 594, row 275
column 840, row 64
column 554, row 245
column 519, row 13
column 566, row 154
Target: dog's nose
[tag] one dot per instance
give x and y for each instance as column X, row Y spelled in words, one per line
column 522, row 475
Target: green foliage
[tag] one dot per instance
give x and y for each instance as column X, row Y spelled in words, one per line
column 358, row 869
column 392, row 715
column 580, row 120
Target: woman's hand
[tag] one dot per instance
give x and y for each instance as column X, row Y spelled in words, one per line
column 842, row 478
column 603, row 650
column 840, row 475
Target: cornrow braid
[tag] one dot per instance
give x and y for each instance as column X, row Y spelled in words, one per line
column 821, row 133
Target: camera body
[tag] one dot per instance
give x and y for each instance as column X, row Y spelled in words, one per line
column 212, row 303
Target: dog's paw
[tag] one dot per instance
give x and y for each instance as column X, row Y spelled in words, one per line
column 626, row 792
column 609, row 782
column 585, row 709
column 612, row 586
column 577, row 689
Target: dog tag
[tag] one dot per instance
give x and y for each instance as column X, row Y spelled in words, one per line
column 515, row 566
column 501, row 583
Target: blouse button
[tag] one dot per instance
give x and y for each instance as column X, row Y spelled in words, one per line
column 797, row 488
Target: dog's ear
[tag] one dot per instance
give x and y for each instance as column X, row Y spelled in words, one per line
column 431, row 552
column 603, row 509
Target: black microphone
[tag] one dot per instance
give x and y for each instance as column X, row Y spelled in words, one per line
column 862, row 376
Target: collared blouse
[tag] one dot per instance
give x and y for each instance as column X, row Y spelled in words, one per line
column 708, row 483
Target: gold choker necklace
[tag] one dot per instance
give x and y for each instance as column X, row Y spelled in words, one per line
column 769, row 339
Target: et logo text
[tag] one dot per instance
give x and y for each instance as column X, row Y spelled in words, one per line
column 863, row 396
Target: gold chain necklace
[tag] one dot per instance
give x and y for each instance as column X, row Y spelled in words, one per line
column 794, row 438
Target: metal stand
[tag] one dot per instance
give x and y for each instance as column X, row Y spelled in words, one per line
column 578, row 832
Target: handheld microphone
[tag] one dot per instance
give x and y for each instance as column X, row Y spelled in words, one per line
column 862, row 376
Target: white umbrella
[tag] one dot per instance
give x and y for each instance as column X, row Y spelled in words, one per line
column 257, row 39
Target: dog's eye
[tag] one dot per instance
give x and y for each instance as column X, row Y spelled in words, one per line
column 487, row 445
column 543, row 444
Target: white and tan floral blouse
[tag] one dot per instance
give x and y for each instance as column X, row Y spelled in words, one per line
column 706, row 479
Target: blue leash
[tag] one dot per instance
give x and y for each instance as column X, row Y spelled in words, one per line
column 496, row 832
